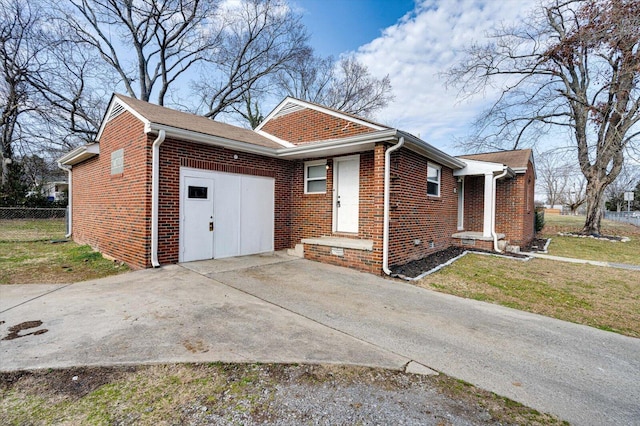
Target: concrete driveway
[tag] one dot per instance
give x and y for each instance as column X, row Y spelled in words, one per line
column 281, row 309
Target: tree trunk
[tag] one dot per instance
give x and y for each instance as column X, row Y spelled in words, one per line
column 594, row 198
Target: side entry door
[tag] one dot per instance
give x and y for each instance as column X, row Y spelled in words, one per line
column 197, row 220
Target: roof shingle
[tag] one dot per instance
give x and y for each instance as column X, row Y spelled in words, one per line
column 516, row 159
column 182, row 120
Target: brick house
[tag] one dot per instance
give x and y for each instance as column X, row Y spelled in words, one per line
column 161, row 186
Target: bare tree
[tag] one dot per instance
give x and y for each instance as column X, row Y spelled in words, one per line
column 308, row 77
column 49, row 98
column 259, row 38
column 346, row 85
column 576, row 65
column 18, row 53
column 554, row 175
column 626, row 181
column 574, row 194
column 146, row 42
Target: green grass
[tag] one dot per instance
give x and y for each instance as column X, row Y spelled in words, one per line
column 35, row 252
column 589, row 248
column 605, row 298
column 32, row 229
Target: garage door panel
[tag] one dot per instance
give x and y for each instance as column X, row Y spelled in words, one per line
column 256, row 232
column 243, row 215
column 227, row 208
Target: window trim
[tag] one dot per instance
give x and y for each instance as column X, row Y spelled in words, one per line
column 439, row 182
column 307, row 179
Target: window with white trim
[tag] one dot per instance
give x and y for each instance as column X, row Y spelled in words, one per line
column 315, row 177
column 433, row 180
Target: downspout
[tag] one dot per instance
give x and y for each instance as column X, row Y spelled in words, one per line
column 387, row 189
column 505, row 170
column 155, row 195
column 69, row 200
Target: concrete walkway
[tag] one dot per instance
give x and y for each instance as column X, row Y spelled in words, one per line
column 279, row 309
column 585, row 261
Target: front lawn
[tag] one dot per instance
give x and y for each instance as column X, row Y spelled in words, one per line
column 605, row 298
column 589, row 248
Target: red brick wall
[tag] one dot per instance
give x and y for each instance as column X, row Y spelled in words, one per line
column 309, row 125
column 112, row 213
column 515, row 208
column 360, row 260
column 312, row 214
column 473, row 203
column 175, row 154
column 414, row 214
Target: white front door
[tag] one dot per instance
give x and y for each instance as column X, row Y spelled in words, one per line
column 197, row 218
column 346, row 181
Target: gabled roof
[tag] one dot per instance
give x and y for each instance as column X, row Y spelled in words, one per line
column 193, row 128
column 292, row 105
column 517, row 160
column 153, row 115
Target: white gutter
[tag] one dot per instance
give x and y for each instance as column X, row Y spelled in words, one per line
column 387, row 188
column 191, row 136
column 155, row 195
column 505, row 171
column 69, row 200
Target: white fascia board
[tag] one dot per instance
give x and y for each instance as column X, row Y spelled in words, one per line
column 357, row 143
column 126, row 106
column 187, row 135
column 475, row 167
column 304, row 104
column 80, row 154
column 520, row 170
column 275, row 139
column 431, row 152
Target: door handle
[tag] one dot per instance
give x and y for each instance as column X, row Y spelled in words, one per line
column 338, row 202
column 211, row 226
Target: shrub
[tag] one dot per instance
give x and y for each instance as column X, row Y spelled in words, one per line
column 539, row 220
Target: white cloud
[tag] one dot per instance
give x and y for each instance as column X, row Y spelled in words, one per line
column 425, row 43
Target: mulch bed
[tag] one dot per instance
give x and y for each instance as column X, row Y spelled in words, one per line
column 536, row 245
column 612, row 238
column 417, row 267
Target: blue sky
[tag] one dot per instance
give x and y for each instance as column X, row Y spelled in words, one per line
column 413, row 42
column 338, row 26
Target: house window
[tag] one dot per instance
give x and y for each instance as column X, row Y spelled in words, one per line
column 315, row 177
column 117, row 162
column 433, row 180
column 198, row 192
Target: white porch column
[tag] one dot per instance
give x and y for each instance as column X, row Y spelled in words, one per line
column 488, row 204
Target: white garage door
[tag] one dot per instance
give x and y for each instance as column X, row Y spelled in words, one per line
column 238, row 221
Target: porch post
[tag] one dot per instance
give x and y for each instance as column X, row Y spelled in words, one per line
column 488, row 204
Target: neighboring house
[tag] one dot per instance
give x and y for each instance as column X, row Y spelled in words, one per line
column 161, row 186
column 55, row 191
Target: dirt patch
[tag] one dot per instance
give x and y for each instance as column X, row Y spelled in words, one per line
column 70, row 384
column 14, row 331
column 417, row 267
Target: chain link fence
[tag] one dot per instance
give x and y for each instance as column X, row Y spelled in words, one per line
column 627, row 217
column 22, row 224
